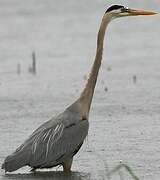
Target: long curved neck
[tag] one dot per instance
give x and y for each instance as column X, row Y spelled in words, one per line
column 87, row 94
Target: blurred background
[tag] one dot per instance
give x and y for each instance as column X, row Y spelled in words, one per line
column 60, row 36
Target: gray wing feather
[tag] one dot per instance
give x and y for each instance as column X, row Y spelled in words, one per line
column 58, row 145
column 41, row 145
column 67, row 145
column 51, row 143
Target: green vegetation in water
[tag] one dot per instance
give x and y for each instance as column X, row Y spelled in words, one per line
column 120, row 166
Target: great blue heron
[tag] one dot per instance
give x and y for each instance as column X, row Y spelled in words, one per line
column 56, row 141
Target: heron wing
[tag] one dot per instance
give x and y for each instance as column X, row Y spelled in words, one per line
column 41, row 141
column 53, row 145
column 69, row 144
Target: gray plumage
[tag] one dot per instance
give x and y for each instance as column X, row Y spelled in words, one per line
column 52, row 143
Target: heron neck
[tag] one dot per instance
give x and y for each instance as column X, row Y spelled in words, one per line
column 87, row 94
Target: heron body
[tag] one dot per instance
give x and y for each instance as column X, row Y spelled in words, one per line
column 53, row 143
column 56, row 141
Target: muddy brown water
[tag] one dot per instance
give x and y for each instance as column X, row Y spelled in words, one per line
column 125, row 114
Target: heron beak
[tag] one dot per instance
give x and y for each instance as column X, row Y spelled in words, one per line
column 133, row 12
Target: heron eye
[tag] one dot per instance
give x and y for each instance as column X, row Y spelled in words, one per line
column 127, row 9
column 124, row 9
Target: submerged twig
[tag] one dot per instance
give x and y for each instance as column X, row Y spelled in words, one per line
column 18, row 69
column 32, row 68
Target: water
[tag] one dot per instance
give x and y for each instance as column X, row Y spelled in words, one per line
column 124, row 121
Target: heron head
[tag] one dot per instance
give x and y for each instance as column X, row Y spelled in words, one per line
column 116, row 11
